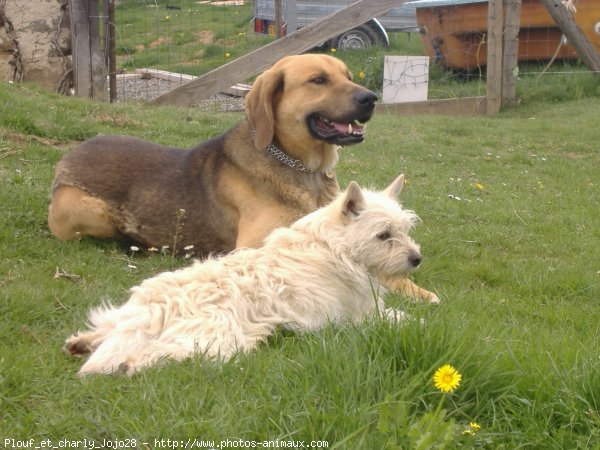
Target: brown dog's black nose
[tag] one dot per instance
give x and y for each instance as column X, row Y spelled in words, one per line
column 365, row 98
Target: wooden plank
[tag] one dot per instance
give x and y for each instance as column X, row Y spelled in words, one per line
column 127, row 75
column 467, row 106
column 494, row 56
column 173, row 77
column 238, row 89
column 510, row 56
column 585, row 49
column 262, row 58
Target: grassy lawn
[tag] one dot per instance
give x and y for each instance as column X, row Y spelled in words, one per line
column 511, row 239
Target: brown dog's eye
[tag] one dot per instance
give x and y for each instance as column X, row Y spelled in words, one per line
column 318, row 80
column 384, row 235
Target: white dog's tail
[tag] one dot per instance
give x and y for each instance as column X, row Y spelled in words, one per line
column 121, row 338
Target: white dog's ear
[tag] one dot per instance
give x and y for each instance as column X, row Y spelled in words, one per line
column 354, row 201
column 394, row 189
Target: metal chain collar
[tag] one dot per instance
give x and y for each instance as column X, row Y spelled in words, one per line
column 286, row 159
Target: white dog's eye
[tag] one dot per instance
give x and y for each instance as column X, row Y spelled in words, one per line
column 384, row 236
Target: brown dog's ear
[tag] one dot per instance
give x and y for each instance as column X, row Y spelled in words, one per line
column 394, row 189
column 259, row 106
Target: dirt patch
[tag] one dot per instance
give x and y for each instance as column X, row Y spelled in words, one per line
column 193, row 63
column 205, row 36
column 118, row 120
column 160, row 41
column 576, row 156
column 26, row 139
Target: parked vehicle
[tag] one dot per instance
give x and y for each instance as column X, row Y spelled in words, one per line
column 299, row 13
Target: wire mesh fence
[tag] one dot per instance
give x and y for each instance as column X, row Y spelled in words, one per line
column 442, row 44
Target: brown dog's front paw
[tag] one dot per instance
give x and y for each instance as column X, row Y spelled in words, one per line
column 433, row 298
column 406, row 287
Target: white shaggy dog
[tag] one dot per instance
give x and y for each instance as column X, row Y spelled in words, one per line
column 323, row 268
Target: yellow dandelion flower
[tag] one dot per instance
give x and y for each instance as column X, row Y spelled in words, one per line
column 447, row 378
column 227, row 55
column 333, row 50
column 473, row 428
column 361, row 74
column 479, row 186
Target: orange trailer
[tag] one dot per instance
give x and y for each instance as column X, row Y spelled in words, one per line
column 454, row 31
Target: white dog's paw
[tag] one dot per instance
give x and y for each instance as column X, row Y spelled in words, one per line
column 397, row 315
column 78, row 345
column 400, row 316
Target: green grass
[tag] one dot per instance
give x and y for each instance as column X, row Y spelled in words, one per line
column 513, row 254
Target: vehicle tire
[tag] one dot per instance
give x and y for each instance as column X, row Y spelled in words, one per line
column 359, row 38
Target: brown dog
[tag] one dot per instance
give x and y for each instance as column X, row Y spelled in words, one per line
column 270, row 169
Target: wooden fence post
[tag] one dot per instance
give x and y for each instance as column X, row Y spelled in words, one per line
column 110, row 57
column 510, row 58
column 278, row 18
column 586, row 51
column 88, row 63
column 494, row 56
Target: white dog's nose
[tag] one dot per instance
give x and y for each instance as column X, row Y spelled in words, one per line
column 415, row 259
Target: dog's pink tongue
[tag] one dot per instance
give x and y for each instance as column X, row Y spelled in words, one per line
column 347, row 128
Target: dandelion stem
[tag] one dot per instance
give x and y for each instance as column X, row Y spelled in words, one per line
column 178, row 225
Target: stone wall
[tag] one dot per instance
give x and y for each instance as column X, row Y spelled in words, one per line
column 35, row 42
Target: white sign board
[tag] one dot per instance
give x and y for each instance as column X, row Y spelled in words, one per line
column 405, row 79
